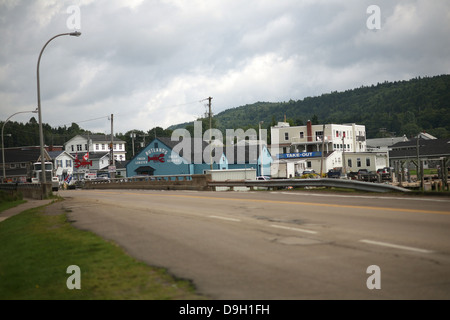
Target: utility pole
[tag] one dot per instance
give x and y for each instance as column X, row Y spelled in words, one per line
column 419, row 171
column 210, row 132
column 323, row 144
column 133, row 135
column 144, row 135
column 261, row 149
column 343, row 156
column 112, row 161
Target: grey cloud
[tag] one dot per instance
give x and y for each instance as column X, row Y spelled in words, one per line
column 146, row 61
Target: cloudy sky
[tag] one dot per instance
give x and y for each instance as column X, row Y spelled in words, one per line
column 153, row 62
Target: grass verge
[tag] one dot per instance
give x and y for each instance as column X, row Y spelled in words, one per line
column 37, row 248
column 8, row 201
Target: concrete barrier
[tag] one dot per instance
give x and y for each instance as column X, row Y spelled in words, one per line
column 171, row 182
column 36, row 191
column 325, row 182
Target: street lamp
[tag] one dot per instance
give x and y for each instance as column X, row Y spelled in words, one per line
column 41, row 132
column 3, row 144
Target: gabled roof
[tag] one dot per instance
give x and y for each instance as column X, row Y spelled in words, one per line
column 24, row 154
column 106, row 138
column 427, row 148
column 93, row 156
column 385, row 142
column 101, row 138
column 55, row 154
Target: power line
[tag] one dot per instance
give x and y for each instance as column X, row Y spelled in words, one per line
column 84, row 121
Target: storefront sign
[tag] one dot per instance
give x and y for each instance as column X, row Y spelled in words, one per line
column 299, row 155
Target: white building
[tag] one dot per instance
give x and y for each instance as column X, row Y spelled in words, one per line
column 309, row 138
column 96, row 143
column 63, row 163
column 324, row 147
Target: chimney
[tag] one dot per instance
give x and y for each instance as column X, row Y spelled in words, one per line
column 309, row 131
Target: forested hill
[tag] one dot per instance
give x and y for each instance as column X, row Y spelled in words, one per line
column 400, row 107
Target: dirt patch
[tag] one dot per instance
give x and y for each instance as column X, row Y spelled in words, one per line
column 54, row 209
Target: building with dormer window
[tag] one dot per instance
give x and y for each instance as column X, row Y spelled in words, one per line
column 96, row 144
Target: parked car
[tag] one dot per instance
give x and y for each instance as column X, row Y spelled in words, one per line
column 366, row 175
column 385, row 173
column 264, row 178
column 334, row 173
column 308, row 174
column 352, row 175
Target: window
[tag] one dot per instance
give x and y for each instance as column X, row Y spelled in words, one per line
column 97, row 147
column 72, row 148
column 358, row 162
column 59, row 163
column 286, row 136
column 349, row 162
column 308, row 164
column 85, row 146
column 68, row 163
column 156, row 145
column 319, row 135
column 79, row 147
column 301, row 135
column 103, row 147
column 367, row 162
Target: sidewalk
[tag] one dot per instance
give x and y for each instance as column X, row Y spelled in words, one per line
column 24, row 206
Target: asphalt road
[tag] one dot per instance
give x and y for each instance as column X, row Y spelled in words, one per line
column 280, row 245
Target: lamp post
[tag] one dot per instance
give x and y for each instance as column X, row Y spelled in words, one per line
column 41, row 132
column 3, row 144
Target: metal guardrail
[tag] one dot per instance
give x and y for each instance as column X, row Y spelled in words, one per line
column 324, row 182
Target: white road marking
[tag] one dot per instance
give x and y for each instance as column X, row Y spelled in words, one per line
column 294, row 229
column 360, row 196
column 225, row 218
column 391, row 245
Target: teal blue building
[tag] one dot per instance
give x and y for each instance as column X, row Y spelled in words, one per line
column 163, row 156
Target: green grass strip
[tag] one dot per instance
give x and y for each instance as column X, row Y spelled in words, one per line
column 36, row 250
column 5, row 205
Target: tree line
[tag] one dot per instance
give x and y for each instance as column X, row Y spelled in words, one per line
column 386, row 109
